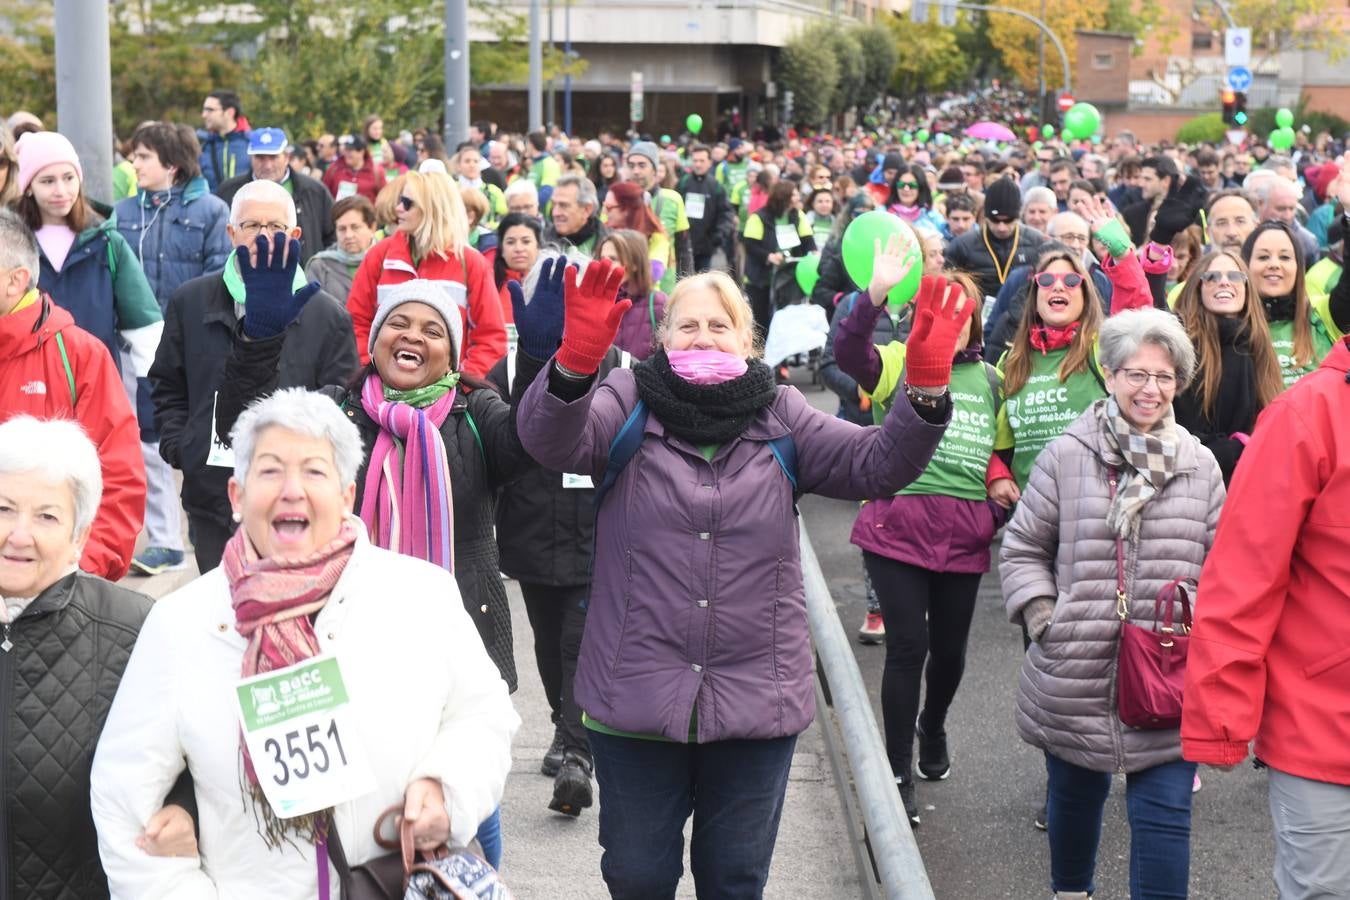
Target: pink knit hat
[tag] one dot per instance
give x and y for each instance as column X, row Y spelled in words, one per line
column 39, row 149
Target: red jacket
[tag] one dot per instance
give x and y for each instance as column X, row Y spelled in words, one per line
column 390, row 262
column 34, row 381
column 368, row 179
column 1270, row 653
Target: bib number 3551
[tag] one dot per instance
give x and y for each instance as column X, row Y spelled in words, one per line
column 300, row 733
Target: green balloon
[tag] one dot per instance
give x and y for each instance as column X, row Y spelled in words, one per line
column 694, row 122
column 943, row 139
column 906, row 137
column 1284, row 118
column 921, row 136
column 665, row 139
column 1036, row 146
column 858, row 248
column 1082, row 120
column 808, row 272
column 1282, row 138
column 1047, row 130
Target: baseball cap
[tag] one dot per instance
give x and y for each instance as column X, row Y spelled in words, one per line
column 267, row 142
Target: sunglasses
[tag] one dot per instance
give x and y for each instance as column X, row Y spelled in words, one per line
column 1213, row 277
column 998, row 220
column 406, row 204
column 1048, row 280
column 912, row 185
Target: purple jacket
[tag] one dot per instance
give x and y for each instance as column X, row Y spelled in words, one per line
column 941, row 534
column 635, row 328
column 696, row 592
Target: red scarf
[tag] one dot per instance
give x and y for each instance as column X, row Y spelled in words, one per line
column 1047, row 338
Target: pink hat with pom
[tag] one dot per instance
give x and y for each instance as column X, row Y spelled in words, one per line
column 39, row 149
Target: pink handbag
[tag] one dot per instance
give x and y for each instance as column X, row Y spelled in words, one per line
column 1151, row 664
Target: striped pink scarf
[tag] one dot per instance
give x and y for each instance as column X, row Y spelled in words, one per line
column 406, row 506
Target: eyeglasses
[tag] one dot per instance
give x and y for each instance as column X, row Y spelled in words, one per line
column 1048, row 280
column 911, row 185
column 407, row 204
column 211, row 108
column 1070, row 237
column 251, row 228
column 999, row 220
column 1137, row 378
column 1045, row 160
column 1213, row 277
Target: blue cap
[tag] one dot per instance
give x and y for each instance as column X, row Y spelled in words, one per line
column 267, row 142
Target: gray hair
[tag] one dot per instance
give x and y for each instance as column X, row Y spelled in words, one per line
column 58, row 450
column 1063, row 217
column 18, row 245
column 585, row 189
column 521, row 186
column 302, row 412
column 1124, row 333
column 1041, row 194
column 262, row 191
column 573, row 256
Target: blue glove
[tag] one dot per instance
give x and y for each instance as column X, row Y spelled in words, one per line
column 539, row 326
column 269, row 303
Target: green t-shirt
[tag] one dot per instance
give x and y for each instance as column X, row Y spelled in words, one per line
column 1043, row 408
column 959, row 464
column 1282, row 336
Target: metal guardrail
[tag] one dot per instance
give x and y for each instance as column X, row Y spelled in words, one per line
column 895, row 862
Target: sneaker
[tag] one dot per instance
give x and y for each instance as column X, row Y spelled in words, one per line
column 157, row 560
column 934, row 764
column 873, row 630
column 572, row 787
column 1196, row 785
column 1042, row 818
column 553, row 759
column 906, row 788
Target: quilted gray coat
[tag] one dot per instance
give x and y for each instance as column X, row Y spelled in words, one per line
column 1058, row 546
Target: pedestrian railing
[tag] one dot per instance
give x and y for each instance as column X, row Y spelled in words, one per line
column 888, row 859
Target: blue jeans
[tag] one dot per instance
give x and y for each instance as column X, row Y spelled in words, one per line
column 648, row 790
column 490, row 836
column 1158, row 805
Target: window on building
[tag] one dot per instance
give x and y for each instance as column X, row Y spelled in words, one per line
column 1103, row 60
column 1202, row 40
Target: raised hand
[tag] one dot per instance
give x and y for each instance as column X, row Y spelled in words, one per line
column 940, row 313
column 591, row 317
column 889, row 267
column 539, row 325
column 270, row 303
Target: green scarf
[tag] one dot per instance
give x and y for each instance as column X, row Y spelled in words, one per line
column 421, row 398
column 234, row 282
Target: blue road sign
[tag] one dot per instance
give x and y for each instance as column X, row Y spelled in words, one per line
column 1239, row 78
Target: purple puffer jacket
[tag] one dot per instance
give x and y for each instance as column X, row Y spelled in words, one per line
column 696, row 591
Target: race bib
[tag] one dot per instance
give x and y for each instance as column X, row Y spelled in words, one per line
column 788, row 239
column 301, row 735
column 219, row 454
column 346, row 189
column 693, row 205
column 571, row 481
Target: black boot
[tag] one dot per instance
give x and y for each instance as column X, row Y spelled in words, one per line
column 572, row 787
column 553, row 759
column 905, row 784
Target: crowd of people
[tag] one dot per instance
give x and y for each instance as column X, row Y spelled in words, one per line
column 369, row 360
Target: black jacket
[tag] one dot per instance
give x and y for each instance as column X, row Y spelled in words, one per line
column 968, row 253
column 57, row 682
column 1235, row 407
column 1136, row 219
column 832, row 278
column 545, row 531
column 482, row 455
column 718, row 221
column 203, row 351
column 836, row 379
column 313, row 210
column 758, row 272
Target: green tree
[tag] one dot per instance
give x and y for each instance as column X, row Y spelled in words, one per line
column 932, row 59
column 848, row 53
column 879, row 55
column 807, row 66
column 1207, row 128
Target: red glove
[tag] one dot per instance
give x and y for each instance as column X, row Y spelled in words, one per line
column 937, row 325
column 590, row 316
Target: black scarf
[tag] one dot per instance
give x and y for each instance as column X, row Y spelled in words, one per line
column 703, row 413
column 1279, row 309
column 584, row 233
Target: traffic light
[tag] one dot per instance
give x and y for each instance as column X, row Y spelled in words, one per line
column 1240, row 108
column 1230, row 107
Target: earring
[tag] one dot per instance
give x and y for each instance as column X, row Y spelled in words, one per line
column 237, row 518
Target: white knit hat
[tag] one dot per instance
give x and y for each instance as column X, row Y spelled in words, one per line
column 439, row 295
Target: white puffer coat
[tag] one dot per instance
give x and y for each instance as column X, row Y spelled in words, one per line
column 1058, row 546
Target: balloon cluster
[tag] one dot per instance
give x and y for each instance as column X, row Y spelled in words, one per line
column 1282, row 138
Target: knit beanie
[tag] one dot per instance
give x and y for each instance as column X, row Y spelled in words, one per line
column 39, row 149
column 439, row 295
column 647, row 149
column 1003, row 199
column 892, row 161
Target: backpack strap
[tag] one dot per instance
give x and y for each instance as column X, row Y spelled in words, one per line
column 622, row 449
column 785, row 452
column 477, row 438
column 65, row 361
column 651, row 310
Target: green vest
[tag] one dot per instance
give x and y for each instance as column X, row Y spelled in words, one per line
column 1282, row 336
column 1043, row 408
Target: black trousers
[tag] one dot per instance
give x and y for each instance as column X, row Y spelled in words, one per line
column 760, row 306
column 558, row 620
column 928, row 617
column 703, row 261
column 209, row 538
